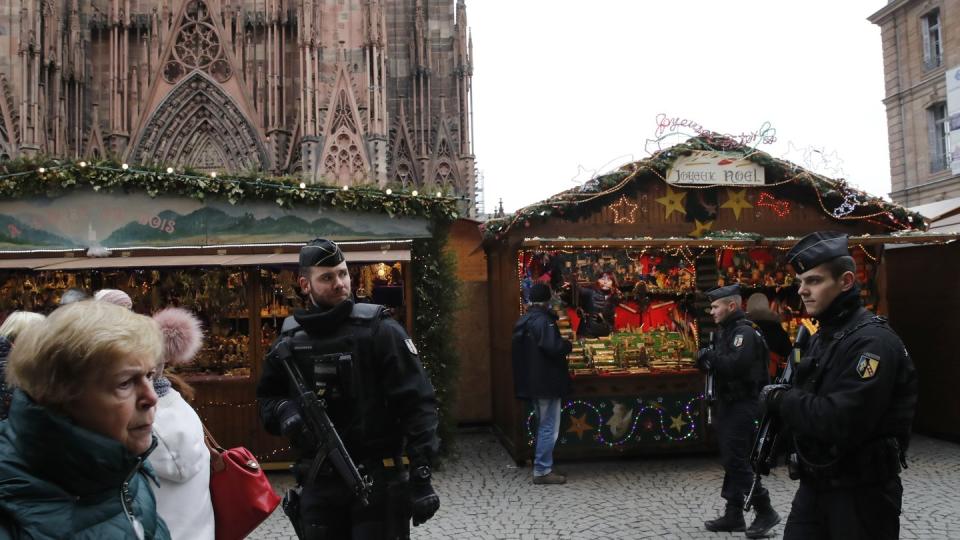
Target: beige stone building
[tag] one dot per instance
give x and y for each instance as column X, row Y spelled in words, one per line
column 921, row 42
column 337, row 91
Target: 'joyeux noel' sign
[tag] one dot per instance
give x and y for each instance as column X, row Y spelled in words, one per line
column 715, row 168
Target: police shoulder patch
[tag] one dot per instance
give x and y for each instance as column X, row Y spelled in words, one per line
column 868, row 365
column 738, row 340
column 410, row 346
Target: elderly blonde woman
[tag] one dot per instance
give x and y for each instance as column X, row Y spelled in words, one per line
column 73, row 451
column 14, row 324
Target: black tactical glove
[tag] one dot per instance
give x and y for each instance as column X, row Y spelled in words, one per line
column 771, row 396
column 424, row 501
column 293, row 427
column 705, row 359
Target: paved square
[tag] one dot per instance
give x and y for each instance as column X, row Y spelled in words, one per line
column 484, row 495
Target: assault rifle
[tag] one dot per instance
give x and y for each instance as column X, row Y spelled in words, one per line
column 710, row 387
column 329, row 444
column 763, row 455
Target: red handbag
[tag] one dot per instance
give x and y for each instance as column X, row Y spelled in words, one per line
column 242, row 495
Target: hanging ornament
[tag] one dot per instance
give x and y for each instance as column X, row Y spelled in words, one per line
column 624, row 211
column 736, row 201
column 673, row 201
column 780, row 208
column 847, row 207
column 702, row 228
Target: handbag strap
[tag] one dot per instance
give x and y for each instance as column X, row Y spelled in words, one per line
column 216, row 451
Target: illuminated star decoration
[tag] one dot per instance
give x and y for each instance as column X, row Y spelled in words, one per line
column 736, row 201
column 624, row 211
column 677, row 422
column 579, row 425
column 702, row 228
column 780, row 208
column 673, row 200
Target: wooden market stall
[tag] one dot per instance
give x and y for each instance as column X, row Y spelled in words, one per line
column 663, row 230
column 234, row 265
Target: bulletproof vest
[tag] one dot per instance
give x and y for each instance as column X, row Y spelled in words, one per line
column 749, row 386
column 339, row 365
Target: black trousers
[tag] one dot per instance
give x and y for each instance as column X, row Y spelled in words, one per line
column 852, row 513
column 735, row 423
column 329, row 512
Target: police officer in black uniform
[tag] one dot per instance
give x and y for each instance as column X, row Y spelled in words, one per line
column 738, row 360
column 850, row 408
column 366, row 368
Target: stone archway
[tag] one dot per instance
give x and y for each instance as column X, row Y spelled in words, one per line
column 198, row 125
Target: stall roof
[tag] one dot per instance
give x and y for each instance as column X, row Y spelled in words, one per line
column 86, row 263
column 34, row 263
column 187, row 261
column 269, row 259
column 570, row 243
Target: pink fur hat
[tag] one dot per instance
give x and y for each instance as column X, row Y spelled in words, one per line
column 182, row 334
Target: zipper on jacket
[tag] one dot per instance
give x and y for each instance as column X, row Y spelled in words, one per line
column 126, row 501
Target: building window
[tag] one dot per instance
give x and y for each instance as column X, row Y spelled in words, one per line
column 939, row 137
column 932, row 54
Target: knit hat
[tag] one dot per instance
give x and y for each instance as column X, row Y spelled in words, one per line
column 114, row 296
column 540, row 292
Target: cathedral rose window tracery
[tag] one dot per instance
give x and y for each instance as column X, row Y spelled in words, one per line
column 197, row 46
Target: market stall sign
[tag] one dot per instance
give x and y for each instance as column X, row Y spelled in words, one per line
column 715, row 168
column 81, row 220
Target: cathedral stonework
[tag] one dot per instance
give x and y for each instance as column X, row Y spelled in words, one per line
column 338, row 92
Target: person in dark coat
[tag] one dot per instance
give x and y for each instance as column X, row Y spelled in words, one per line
column 738, row 358
column 73, row 452
column 379, row 400
column 850, row 407
column 759, row 313
column 12, row 326
column 541, row 376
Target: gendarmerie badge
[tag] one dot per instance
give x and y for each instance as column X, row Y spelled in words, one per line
column 738, row 340
column 868, row 365
column 411, row 347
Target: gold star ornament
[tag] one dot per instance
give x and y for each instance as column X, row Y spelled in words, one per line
column 673, row 201
column 624, row 211
column 702, row 228
column 579, row 425
column 677, row 423
column 736, row 201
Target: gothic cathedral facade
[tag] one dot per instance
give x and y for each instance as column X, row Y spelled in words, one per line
column 337, row 92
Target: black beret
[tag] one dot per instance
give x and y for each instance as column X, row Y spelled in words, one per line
column 320, row 252
column 817, row 248
column 723, row 292
column 540, row 292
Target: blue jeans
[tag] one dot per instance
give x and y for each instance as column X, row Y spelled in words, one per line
column 548, row 416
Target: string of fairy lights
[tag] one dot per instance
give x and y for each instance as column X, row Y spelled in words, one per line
column 288, row 190
column 684, row 423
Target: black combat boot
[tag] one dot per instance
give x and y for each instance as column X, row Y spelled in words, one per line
column 730, row 521
column 767, row 518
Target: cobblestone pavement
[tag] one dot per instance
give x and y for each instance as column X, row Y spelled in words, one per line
column 484, row 495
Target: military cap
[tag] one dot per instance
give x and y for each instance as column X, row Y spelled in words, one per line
column 817, row 248
column 723, row 292
column 320, row 252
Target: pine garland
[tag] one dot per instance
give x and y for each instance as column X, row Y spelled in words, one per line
column 573, row 204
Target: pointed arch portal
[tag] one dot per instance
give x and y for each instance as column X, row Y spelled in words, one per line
column 199, row 126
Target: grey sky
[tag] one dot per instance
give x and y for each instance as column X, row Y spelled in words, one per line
column 565, row 89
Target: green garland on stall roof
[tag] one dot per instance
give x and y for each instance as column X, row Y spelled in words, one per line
column 435, row 302
column 22, row 178
column 567, row 205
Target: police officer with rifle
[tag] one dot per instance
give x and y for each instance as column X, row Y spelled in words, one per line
column 344, row 383
column 737, row 361
column 850, row 408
